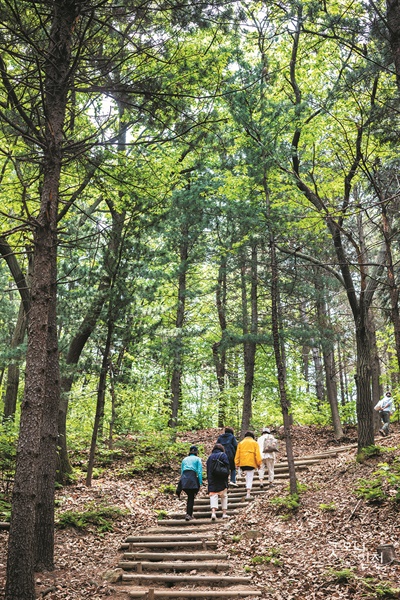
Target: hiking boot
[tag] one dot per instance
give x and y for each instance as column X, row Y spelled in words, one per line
column 249, row 498
column 234, row 484
column 261, row 486
column 382, row 432
column 189, row 518
column 225, row 516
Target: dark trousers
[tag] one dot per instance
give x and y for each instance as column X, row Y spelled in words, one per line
column 190, row 501
column 385, row 418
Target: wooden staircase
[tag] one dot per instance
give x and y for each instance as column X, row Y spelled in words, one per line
column 179, row 559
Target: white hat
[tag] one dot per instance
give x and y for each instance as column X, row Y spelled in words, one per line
column 266, row 430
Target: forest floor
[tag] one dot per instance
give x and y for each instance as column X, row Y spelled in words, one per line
column 324, row 549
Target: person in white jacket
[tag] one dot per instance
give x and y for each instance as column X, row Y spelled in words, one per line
column 385, row 408
column 268, row 458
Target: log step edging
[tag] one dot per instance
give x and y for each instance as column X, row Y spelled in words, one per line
column 176, row 565
column 169, row 556
column 160, row 593
column 195, row 544
column 200, row 579
column 161, row 536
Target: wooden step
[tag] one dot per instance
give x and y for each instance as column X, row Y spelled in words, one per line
column 168, row 593
column 233, row 505
column 232, row 499
column 179, row 579
column 140, row 566
column 182, row 523
column 201, row 544
column 203, row 513
column 169, row 556
column 161, row 536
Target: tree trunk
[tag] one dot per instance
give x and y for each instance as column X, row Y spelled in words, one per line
column 219, row 350
column 101, row 394
column 319, row 376
column 376, row 389
column 305, row 352
column 175, row 385
column 342, row 379
column 276, row 335
column 85, row 330
column 325, row 328
column 363, row 383
column 393, row 24
column 391, row 278
column 34, row 482
column 10, row 397
column 249, row 334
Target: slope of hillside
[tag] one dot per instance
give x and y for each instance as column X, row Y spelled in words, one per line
column 327, row 548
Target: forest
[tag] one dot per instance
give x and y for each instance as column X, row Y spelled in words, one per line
column 199, row 227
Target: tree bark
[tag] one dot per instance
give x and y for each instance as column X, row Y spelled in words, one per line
column 10, row 397
column 393, row 24
column 101, row 394
column 328, row 360
column 34, row 480
column 219, row 349
column 175, row 384
column 276, row 335
column 249, row 334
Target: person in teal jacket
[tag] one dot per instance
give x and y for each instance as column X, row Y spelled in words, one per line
column 191, row 479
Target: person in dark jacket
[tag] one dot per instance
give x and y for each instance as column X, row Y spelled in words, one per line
column 229, row 442
column 217, row 484
column 190, row 480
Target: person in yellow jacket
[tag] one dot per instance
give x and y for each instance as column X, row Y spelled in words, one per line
column 248, row 457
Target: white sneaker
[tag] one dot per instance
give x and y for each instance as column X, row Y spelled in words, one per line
column 213, row 516
column 225, row 516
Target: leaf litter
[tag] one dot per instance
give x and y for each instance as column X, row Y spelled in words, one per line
column 327, row 548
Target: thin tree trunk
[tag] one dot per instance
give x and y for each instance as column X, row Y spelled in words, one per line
column 376, row 389
column 305, row 352
column 391, row 277
column 11, row 394
column 329, row 362
column 276, row 336
column 86, row 328
column 219, row 350
column 175, row 385
column 319, row 378
column 393, row 25
column 249, row 333
column 101, row 395
column 341, row 367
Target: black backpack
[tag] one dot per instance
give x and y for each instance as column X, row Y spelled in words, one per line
column 219, row 469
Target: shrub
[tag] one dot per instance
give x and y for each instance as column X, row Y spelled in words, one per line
column 385, row 484
column 101, row 518
column 330, row 507
column 342, row 576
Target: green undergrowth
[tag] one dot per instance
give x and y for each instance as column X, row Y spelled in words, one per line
column 271, row 556
column 370, row 452
column 5, row 508
column 289, row 504
column 372, row 588
column 100, row 518
column 134, row 454
column 383, row 485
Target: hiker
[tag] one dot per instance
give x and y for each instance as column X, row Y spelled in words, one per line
column 190, row 480
column 218, row 470
column 248, row 457
column 229, row 442
column 385, row 408
column 268, row 445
